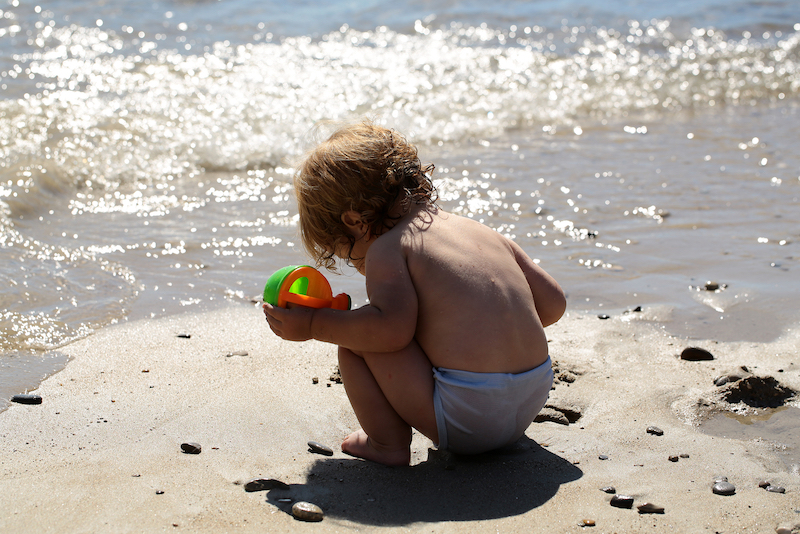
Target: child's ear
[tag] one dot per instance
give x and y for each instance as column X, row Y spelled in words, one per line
column 353, row 221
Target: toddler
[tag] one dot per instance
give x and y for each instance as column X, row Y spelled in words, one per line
column 452, row 341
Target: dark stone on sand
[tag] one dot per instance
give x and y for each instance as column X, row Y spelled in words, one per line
column 264, row 484
column 764, row 484
column 26, row 398
column 315, row 380
column 723, row 488
column 655, row 431
column 650, row 508
column 683, row 455
column 185, row 336
column 603, row 316
column 306, row 511
column 236, row 353
column 191, row 448
column 159, row 492
column 775, row 489
column 696, row 354
column 603, row 457
column 552, row 415
column 319, row 448
column 711, row 286
column 622, row 501
column 673, row 458
column 609, row 489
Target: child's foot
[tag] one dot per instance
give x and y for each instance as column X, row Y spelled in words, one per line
column 360, row 445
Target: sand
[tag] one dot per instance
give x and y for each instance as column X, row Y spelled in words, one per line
column 102, row 452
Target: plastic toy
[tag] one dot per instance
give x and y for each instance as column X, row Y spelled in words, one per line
column 303, row 285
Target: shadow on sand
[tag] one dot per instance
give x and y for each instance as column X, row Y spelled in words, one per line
column 445, row 487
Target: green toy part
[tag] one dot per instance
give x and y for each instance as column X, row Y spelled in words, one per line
column 303, row 285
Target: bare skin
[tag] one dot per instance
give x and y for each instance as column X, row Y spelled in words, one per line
column 444, row 291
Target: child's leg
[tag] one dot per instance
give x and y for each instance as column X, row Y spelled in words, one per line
column 390, row 393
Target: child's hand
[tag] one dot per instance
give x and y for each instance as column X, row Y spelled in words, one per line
column 292, row 324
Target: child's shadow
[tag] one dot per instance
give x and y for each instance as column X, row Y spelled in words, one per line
column 504, row 483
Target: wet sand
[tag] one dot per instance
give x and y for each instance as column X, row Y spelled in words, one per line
column 102, row 452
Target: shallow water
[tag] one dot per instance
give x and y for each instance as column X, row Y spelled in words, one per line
column 780, row 426
column 637, row 151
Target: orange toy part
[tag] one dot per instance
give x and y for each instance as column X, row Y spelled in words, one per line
column 306, row 286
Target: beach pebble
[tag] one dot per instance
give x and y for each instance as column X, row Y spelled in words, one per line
column 184, row 336
column 159, row 492
column 721, row 381
column 655, row 431
column 609, row 489
column 236, row 353
column 775, row 489
column 650, row 508
column 622, row 501
column 696, row 354
column 720, row 479
column 764, row 484
column 603, row 316
column 27, row 398
column 191, row 448
column 683, row 455
column 673, row 458
column 723, row 488
column 319, row 448
column 586, row 522
column 306, row 511
column 711, row 286
column 315, row 380
column 262, row 484
column 603, row 457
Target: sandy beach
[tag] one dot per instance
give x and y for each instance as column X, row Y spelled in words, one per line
column 102, row 453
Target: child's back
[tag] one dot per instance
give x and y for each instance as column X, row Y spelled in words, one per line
column 476, row 310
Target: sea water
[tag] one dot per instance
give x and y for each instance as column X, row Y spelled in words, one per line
column 637, row 150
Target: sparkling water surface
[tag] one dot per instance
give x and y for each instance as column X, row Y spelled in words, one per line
column 636, row 149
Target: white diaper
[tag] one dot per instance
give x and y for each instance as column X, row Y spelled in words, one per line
column 478, row 412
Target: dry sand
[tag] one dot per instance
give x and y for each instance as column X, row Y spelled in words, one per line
column 97, row 453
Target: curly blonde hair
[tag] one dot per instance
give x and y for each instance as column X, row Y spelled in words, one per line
column 362, row 167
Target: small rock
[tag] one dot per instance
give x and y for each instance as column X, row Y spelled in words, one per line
column 315, row 380
column 236, row 353
column 622, row 501
column 262, row 484
column 655, row 431
column 721, row 381
column 603, row 316
column 650, row 508
column 696, row 354
column 26, row 398
column 603, row 457
column 764, row 484
column 711, row 286
column 586, row 522
column 775, row 489
column 723, row 488
column 184, row 336
column 319, row 448
column 609, row 489
column 720, row 479
column 191, row 448
column 159, row 492
column 673, row 458
column 683, row 455
column 306, row 511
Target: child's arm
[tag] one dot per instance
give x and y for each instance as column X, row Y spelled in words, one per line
column 387, row 324
column 547, row 294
